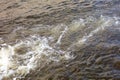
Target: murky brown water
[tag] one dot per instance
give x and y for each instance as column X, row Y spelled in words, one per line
column 69, row 40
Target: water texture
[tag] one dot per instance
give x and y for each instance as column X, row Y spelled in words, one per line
column 59, row 40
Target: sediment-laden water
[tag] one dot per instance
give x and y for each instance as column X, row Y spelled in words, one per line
column 84, row 47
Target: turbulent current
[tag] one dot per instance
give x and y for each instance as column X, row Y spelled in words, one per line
column 59, row 39
column 36, row 50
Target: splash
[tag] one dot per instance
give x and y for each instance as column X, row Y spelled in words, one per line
column 33, row 51
column 105, row 22
column 86, row 29
column 63, row 33
column 16, row 61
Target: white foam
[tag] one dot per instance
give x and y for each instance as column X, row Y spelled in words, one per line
column 33, row 51
column 37, row 50
column 106, row 22
column 61, row 36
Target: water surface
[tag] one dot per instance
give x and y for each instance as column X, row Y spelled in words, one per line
column 72, row 40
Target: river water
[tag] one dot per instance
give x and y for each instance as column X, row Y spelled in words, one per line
column 89, row 43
